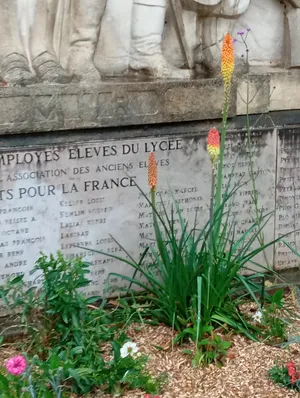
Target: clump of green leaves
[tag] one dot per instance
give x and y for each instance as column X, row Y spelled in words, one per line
column 56, row 313
column 66, row 335
column 212, row 348
column 274, row 327
column 168, row 271
column 129, row 372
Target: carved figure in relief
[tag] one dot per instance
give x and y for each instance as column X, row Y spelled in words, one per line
column 144, row 41
column 209, row 11
column 27, row 42
column 141, row 48
column 265, row 42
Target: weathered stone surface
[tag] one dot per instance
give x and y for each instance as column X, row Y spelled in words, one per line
column 43, row 108
column 285, row 90
column 255, row 168
column 47, row 108
column 293, row 17
column 61, row 196
column 253, row 94
column 287, row 198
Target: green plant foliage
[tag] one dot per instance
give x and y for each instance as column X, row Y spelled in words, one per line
column 57, row 312
column 130, row 372
column 169, row 270
column 274, row 326
column 211, row 349
column 40, row 380
column 66, row 336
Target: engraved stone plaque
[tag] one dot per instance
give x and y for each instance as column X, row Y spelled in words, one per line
column 288, row 198
column 84, row 194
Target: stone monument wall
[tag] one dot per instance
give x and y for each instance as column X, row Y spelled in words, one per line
column 90, row 87
column 61, row 191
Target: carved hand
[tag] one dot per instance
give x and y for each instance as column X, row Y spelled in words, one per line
column 294, row 3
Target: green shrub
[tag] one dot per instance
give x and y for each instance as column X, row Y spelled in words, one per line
column 66, row 336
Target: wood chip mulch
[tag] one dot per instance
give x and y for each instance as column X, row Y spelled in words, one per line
column 243, row 375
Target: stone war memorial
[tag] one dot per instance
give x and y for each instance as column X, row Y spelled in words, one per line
column 93, row 91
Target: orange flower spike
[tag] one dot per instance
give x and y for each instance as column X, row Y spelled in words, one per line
column 213, row 144
column 152, row 172
column 227, row 66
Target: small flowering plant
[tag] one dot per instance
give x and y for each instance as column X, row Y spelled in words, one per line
column 128, row 348
column 12, row 382
column 271, row 319
column 257, row 317
column 22, row 378
column 16, row 365
column 129, row 371
column 286, row 375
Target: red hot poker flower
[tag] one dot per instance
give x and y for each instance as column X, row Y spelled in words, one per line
column 152, row 172
column 227, row 65
column 213, row 144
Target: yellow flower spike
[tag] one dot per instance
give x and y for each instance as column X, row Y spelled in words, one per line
column 152, row 172
column 213, row 145
column 227, row 66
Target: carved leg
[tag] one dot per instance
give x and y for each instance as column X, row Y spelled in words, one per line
column 112, row 52
column 148, row 20
column 14, row 66
column 293, row 17
column 86, row 18
column 45, row 61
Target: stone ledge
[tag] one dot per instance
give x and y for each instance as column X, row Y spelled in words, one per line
column 269, row 90
column 42, row 108
column 52, row 107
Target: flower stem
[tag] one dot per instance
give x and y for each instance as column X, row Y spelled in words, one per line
column 222, row 149
column 211, row 232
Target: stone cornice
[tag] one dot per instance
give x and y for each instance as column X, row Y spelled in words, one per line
column 45, row 108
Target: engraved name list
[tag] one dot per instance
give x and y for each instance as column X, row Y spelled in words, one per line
column 63, row 197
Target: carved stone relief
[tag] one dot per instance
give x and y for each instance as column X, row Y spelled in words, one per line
column 27, row 42
column 293, row 29
column 58, row 40
column 139, row 42
column 265, row 41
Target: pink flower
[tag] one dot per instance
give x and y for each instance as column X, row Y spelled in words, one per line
column 16, row 365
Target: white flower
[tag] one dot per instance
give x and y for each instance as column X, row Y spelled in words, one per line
column 257, row 317
column 128, row 348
